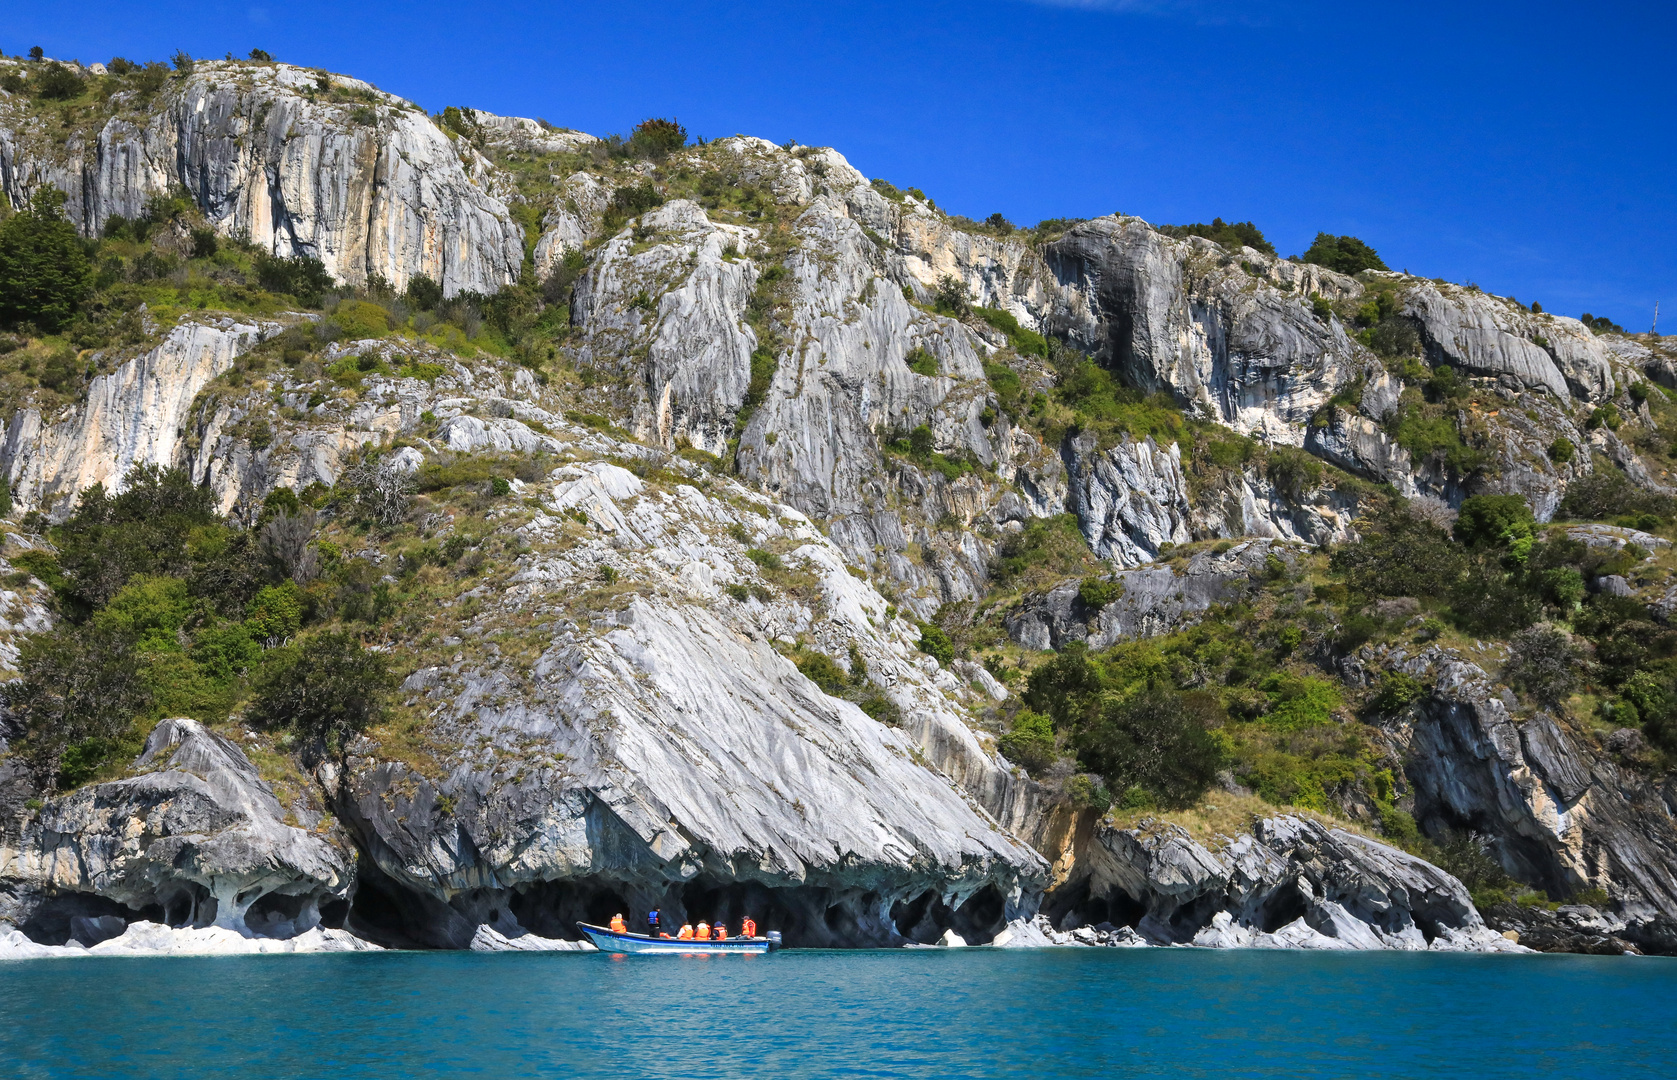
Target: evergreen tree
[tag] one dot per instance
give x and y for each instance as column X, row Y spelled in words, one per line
column 44, row 272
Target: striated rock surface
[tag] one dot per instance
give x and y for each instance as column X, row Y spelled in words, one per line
column 137, row 415
column 299, row 162
column 196, row 839
column 668, row 756
column 1289, row 883
column 1559, row 813
column 1155, row 599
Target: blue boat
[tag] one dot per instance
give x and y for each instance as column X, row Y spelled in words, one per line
column 609, row 940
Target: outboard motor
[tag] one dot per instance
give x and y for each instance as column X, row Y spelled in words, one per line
column 774, row 939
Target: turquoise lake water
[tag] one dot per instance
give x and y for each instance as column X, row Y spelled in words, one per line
column 918, row 1013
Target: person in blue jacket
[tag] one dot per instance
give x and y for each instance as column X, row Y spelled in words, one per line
column 652, row 922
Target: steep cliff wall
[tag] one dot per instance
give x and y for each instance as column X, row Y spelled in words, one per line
column 297, row 161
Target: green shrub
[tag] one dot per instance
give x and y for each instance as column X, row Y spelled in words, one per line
column 768, row 560
column 1030, row 742
column 951, row 296
column 822, row 670
column 921, row 362
column 1400, row 555
column 328, row 687
column 1606, row 416
column 1544, row 662
column 657, row 138
column 1465, row 857
column 936, row 644
column 1158, row 740
column 1494, row 520
column 58, row 83
column 634, row 200
column 1392, row 337
column 1427, row 435
column 1344, row 254
column 1100, row 402
column 1230, row 234
column 79, row 693
column 44, row 272
column 1562, row 586
column 1600, row 324
column 150, row 611
column 275, row 613
column 1025, row 342
column 1320, row 307
column 423, row 293
column 1299, row 701
column 1608, row 493
column 1397, row 691
column 1293, row 472
column 304, row 278
column 1561, row 451
column 110, row 539
column 1096, row 593
column 1044, row 549
column 358, row 319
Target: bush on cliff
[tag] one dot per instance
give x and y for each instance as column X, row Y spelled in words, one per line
column 328, row 688
column 1344, row 254
column 304, row 277
column 80, row 690
column 44, row 271
column 1230, row 234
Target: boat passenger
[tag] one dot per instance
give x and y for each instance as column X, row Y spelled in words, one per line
column 652, row 924
column 719, row 932
column 618, row 926
column 748, row 927
column 685, row 933
column 702, row 931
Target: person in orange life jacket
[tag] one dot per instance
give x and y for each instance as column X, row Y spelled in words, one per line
column 652, row 923
column 618, row 926
column 686, row 933
column 748, row 928
column 702, row 931
column 719, row 932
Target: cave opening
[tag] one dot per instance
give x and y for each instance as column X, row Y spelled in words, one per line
column 1078, row 904
column 551, row 909
column 53, row 922
column 1282, row 907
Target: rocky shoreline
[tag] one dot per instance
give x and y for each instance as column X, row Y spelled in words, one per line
column 199, row 836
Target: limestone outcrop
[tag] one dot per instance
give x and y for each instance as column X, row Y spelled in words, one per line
column 137, row 415
column 1288, row 883
column 871, row 443
column 196, row 838
column 668, row 756
column 297, row 161
column 1557, row 811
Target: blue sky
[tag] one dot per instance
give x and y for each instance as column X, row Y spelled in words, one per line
column 1524, row 147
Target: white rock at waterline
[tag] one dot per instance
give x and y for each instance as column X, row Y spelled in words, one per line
column 155, row 939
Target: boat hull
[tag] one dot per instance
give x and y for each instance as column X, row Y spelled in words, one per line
column 607, row 940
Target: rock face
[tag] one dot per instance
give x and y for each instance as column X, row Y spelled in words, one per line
column 1469, row 330
column 362, row 180
column 196, row 839
column 1155, row 599
column 1179, row 317
column 1290, row 883
column 669, row 757
column 1559, row 813
column 137, row 415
